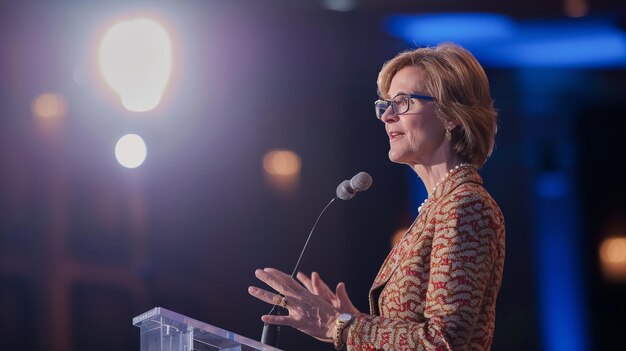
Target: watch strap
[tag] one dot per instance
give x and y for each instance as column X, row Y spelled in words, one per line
column 340, row 324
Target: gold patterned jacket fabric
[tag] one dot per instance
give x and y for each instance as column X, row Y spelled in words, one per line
column 437, row 288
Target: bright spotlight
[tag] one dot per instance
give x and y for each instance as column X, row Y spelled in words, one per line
column 130, row 151
column 49, row 105
column 135, row 59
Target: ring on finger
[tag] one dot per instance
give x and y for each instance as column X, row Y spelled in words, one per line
column 283, row 302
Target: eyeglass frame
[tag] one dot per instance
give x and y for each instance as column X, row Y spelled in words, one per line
column 394, row 104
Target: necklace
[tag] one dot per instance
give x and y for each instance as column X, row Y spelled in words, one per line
column 419, row 209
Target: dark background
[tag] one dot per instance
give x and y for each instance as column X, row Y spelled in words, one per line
column 86, row 245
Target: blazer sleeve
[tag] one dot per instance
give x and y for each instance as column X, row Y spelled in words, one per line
column 464, row 248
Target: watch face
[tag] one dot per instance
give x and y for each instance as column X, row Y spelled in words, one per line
column 344, row 318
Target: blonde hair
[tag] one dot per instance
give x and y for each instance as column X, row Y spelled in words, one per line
column 460, row 88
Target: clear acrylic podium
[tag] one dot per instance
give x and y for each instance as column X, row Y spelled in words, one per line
column 164, row 330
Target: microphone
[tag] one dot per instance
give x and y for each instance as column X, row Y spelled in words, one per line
column 348, row 188
column 345, row 191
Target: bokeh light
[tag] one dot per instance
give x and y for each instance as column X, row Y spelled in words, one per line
column 135, row 60
column 49, row 105
column 282, row 163
column 282, row 170
column 576, row 8
column 131, row 151
column 340, row 5
column 613, row 257
column 397, row 236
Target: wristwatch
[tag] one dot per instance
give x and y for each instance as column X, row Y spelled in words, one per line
column 341, row 323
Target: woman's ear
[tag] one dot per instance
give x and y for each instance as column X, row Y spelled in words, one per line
column 450, row 125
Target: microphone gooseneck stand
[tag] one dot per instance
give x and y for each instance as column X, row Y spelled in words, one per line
column 345, row 191
column 271, row 332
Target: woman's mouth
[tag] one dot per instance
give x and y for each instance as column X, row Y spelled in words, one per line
column 395, row 135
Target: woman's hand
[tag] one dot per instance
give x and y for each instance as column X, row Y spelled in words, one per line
column 309, row 313
column 339, row 299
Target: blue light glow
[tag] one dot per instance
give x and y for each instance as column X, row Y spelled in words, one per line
column 552, row 185
column 456, row 27
column 417, row 190
column 560, row 301
column 497, row 40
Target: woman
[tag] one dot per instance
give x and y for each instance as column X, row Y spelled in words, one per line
column 437, row 288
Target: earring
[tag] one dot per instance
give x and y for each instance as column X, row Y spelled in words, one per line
column 448, row 135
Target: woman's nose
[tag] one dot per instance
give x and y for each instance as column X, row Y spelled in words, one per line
column 389, row 116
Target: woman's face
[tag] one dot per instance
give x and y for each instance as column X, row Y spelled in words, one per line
column 416, row 136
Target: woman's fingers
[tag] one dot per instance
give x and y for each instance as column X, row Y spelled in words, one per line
column 305, row 281
column 345, row 304
column 284, row 284
column 285, row 280
column 321, row 288
column 280, row 320
column 265, row 295
column 277, row 282
column 341, row 292
column 310, row 313
column 317, row 286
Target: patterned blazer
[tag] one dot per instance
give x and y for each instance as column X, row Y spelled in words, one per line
column 437, row 288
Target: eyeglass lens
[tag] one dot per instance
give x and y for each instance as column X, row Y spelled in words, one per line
column 399, row 105
column 381, row 106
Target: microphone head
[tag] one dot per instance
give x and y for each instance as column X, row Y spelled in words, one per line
column 361, row 182
column 345, row 191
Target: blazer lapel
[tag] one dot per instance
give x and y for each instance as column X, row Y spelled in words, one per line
column 466, row 174
column 391, row 263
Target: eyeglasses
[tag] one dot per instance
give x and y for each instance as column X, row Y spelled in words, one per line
column 400, row 104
